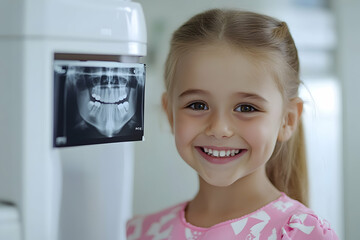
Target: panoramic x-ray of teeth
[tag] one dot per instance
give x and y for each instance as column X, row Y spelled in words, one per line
column 98, row 102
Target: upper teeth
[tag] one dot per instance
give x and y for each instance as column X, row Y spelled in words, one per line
column 109, row 94
column 221, row 153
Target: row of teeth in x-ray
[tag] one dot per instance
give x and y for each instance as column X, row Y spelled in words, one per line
column 98, row 109
column 109, row 94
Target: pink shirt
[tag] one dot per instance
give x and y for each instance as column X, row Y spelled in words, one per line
column 283, row 218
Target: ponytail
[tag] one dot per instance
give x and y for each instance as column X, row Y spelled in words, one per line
column 287, row 167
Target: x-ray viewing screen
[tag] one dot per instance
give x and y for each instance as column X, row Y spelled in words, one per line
column 97, row 102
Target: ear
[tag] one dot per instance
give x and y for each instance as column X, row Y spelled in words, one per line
column 167, row 109
column 291, row 119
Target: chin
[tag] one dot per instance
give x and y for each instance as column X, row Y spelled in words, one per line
column 219, row 181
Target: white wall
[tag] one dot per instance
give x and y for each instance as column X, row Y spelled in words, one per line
column 323, row 134
column 348, row 60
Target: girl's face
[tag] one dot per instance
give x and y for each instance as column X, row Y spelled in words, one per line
column 226, row 114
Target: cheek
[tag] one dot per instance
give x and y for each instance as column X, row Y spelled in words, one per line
column 184, row 131
column 261, row 135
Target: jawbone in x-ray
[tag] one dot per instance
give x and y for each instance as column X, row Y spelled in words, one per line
column 98, row 102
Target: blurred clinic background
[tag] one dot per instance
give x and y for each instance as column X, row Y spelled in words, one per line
column 327, row 36
column 104, row 185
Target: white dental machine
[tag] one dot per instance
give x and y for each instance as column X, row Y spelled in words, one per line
column 71, row 103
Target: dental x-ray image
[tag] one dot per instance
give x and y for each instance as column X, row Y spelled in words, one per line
column 97, row 102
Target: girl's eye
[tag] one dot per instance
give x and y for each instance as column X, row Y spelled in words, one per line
column 245, row 108
column 198, row 106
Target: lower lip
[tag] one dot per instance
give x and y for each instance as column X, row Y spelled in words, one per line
column 220, row 160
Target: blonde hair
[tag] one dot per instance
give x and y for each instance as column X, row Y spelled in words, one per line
column 268, row 40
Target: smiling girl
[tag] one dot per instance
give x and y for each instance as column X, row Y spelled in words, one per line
column 232, row 80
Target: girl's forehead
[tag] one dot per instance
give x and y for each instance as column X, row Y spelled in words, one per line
column 223, row 66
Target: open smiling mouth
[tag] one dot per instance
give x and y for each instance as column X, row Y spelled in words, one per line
column 221, row 153
column 220, row 156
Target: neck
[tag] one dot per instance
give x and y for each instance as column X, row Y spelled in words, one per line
column 242, row 197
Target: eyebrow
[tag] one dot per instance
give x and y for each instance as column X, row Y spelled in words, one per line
column 193, row 92
column 251, row 96
column 240, row 94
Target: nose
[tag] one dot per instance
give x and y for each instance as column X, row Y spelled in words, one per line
column 220, row 126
